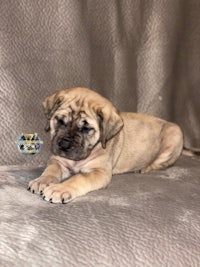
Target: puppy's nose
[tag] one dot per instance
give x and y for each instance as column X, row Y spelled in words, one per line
column 64, row 144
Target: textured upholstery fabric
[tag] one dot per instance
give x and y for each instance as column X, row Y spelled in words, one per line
column 143, row 55
column 150, row 220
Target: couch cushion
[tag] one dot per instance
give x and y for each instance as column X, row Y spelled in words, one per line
column 139, row 220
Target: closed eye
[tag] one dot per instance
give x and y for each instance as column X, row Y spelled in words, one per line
column 60, row 121
column 87, row 130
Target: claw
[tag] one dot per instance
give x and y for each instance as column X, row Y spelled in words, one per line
column 67, row 199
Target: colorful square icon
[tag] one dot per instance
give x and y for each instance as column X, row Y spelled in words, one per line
column 29, row 144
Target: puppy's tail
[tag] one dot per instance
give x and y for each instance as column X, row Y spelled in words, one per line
column 190, row 153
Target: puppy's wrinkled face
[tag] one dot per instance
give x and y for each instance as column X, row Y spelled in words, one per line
column 74, row 134
column 79, row 119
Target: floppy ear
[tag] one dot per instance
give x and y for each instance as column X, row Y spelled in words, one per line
column 110, row 124
column 51, row 104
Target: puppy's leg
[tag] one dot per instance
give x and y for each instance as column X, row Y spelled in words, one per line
column 171, row 147
column 51, row 175
column 76, row 186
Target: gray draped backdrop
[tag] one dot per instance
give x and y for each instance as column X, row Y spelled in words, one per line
column 143, row 55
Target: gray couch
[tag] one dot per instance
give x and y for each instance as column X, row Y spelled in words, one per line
column 139, row 220
column 143, row 56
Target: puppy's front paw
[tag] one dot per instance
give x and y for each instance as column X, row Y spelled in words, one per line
column 58, row 193
column 38, row 185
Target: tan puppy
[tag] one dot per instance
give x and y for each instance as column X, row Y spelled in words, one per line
column 91, row 141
